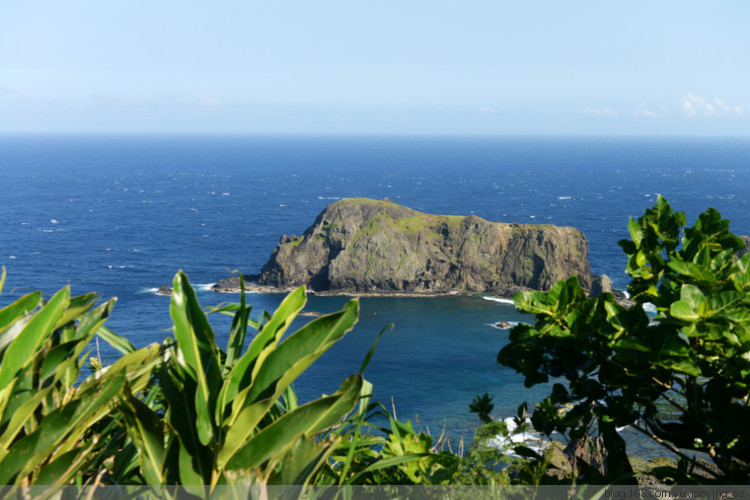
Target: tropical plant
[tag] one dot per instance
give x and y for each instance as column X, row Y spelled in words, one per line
column 231, row 417
column 624, row 368
column 52, row 423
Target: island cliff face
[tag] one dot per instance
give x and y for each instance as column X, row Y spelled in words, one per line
column 369, row 246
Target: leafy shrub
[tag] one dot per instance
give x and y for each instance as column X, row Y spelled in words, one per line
column 623, row 368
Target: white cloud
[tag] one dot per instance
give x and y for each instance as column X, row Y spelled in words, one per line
column 597, row 112
column 647, row 113
column 695, row 105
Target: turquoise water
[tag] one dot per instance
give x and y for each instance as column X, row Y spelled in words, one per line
column 121, row 214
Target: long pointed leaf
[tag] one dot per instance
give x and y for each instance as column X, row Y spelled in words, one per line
column 242, row 373
column 197, row 352
column 308, row 420
column 19, row 352
column 118, row 342
column 10, row 314
column 282, row 367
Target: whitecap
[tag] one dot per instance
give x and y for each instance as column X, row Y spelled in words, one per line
column 53, row 221
column 531, row 439
column 12, row 257
column 206, row 287
column 48, row 231
column 498, row 299
column 497, row 326
column 649, row 307
column 564, row 197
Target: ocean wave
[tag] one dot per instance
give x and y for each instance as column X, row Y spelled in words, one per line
column 117, row 267
column 531, row 439
column 498, row 299
column 649, row 307
column 564, row 197
column 205, row 287
column 498, row 326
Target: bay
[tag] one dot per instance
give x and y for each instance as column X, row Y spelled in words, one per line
column 121, row 214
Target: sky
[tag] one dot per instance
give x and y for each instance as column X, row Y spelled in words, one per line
column 667, row 67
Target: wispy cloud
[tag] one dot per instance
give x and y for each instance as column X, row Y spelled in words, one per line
column 644, row 113
column 597, row 112
column 695, row 105
column 211, row 101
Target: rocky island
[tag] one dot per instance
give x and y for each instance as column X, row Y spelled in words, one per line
column 364, row 246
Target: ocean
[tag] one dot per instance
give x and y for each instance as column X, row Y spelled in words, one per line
column 119, row 215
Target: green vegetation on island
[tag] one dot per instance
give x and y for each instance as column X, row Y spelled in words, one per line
column 362, row 246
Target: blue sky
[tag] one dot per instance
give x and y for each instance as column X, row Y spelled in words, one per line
column 669, row 67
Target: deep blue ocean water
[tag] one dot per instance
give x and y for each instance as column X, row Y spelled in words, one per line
column 121, row 214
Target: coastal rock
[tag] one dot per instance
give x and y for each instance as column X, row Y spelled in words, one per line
column 746, row 239
column 164, row 290
column 601, row 284
column 368, row 246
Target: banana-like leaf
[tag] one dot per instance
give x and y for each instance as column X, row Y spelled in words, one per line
column 301, row 349
column 77, row 306
column 282, row 367
column 64, row 468
column 197, row 353
column 307, row 420
column 66, row 423
column 145, row 428
column 10, row 314
column 237, row 334
column 18, row 420
column 240, row 376
column 118, row 342
column 300, row 461
column 21, row 349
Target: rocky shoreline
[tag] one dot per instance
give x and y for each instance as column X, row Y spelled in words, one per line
column 377, row 248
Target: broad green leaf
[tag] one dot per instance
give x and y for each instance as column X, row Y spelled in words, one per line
column 532, row 302
column 682, row 310
column 64, row 468
column 236, row 341
column 636, row 231
column 240, row 376
column 12, row 313
column 20, row 351
column 300, row 461
column 67, row 423
column 692, row 295
column 308, row 420
column 77, row 306
column 282, row 367
column 19, row 418
column 118, row 342
column 197, row 352
column 145, row 428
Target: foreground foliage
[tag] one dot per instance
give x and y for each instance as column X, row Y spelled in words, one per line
column 187, row 412
column 681, row 378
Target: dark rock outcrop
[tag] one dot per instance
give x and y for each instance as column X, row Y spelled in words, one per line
column 164, row 290
column 368, row 246
column 600, row 284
